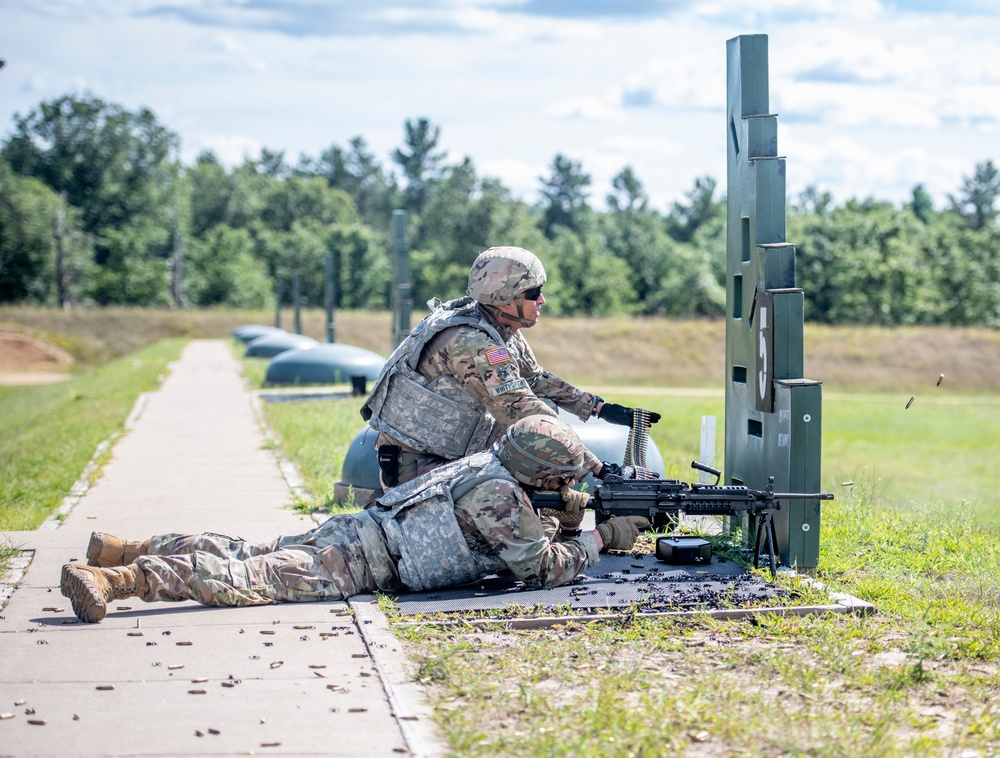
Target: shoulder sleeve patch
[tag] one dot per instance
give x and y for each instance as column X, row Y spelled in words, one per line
column 497, row 355
column 509, row 387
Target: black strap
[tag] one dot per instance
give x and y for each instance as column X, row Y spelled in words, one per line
column 388, row 463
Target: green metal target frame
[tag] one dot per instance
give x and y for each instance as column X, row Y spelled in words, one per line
column 773, row 415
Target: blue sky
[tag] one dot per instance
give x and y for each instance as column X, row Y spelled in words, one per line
column 873, row 97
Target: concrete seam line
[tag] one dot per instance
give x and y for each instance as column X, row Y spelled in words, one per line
column 18, row 567
column 406, row 696
column 82, row 484
column 841, row 598
column 288, row 469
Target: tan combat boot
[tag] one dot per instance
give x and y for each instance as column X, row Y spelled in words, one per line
column 90, row 589
column 107, row 550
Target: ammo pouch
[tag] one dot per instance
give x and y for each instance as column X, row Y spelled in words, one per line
column 422, row 533
column 429, row 546
column 441, row 425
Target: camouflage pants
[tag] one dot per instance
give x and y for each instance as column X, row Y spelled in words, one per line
column 344, row 556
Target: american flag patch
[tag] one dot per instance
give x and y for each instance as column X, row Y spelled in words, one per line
column 497, row 355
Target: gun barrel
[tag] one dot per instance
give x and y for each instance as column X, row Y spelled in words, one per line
column 802, row 496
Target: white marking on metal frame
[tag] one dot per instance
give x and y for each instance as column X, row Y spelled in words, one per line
column 707, row 453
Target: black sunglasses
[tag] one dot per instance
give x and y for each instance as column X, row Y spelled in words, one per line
column 533, row 294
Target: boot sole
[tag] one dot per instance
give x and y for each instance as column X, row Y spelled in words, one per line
column 87, row 602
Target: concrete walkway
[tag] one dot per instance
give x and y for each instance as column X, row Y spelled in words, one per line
column 165, row 679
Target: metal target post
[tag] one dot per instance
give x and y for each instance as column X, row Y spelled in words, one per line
column 401, row 294
column 329, row 297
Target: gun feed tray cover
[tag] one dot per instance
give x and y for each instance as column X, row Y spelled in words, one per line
column 618, row 581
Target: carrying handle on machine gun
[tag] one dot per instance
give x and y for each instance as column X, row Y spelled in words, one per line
column 707, row 469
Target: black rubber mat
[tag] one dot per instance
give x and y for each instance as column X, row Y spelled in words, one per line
column 618, row 581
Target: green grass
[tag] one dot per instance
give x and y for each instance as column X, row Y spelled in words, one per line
column 315, row 435
column 937, row 451
column 919, row 678
column 916, row 535
column 50, row 432
column 7, row 554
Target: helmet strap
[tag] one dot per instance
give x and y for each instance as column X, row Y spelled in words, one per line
column 503, row 317
column 519, row 318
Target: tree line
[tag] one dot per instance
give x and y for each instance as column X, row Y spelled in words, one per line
column 96, row 208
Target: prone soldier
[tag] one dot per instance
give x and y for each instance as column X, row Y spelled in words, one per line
column 458, row 523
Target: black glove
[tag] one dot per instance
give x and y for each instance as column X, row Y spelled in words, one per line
column 619, row 414
column 612, row 471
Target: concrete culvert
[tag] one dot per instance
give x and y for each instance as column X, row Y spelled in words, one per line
column 608, row 443
column 360, row 471
column 324, row 364
column 270, row 345
column 249, row 332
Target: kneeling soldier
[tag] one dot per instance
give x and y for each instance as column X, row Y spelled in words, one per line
column 466, row 373
column 456, row 524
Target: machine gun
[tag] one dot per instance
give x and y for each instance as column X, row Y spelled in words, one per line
column 662, row 500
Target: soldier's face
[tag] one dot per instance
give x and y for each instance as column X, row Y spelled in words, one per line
column 529, row 309
column 533, row 308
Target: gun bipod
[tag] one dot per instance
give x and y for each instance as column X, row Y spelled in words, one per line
column 765, row 526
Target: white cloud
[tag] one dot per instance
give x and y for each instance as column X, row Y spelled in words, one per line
column 854, row 9
column 647, row 146
column 520, row 176
column 848, row 168
column 588, row 107
column 869, row 100
column 883, row 76
column 685, row 79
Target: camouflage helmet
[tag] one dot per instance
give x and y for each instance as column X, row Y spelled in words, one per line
column 500, row 274
column 541, row 451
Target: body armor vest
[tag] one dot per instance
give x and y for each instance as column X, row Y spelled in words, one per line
column 437, row 417
column 422, row 532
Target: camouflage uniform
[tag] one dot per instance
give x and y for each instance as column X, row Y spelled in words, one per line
column 398, row 543
column 460, row 354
